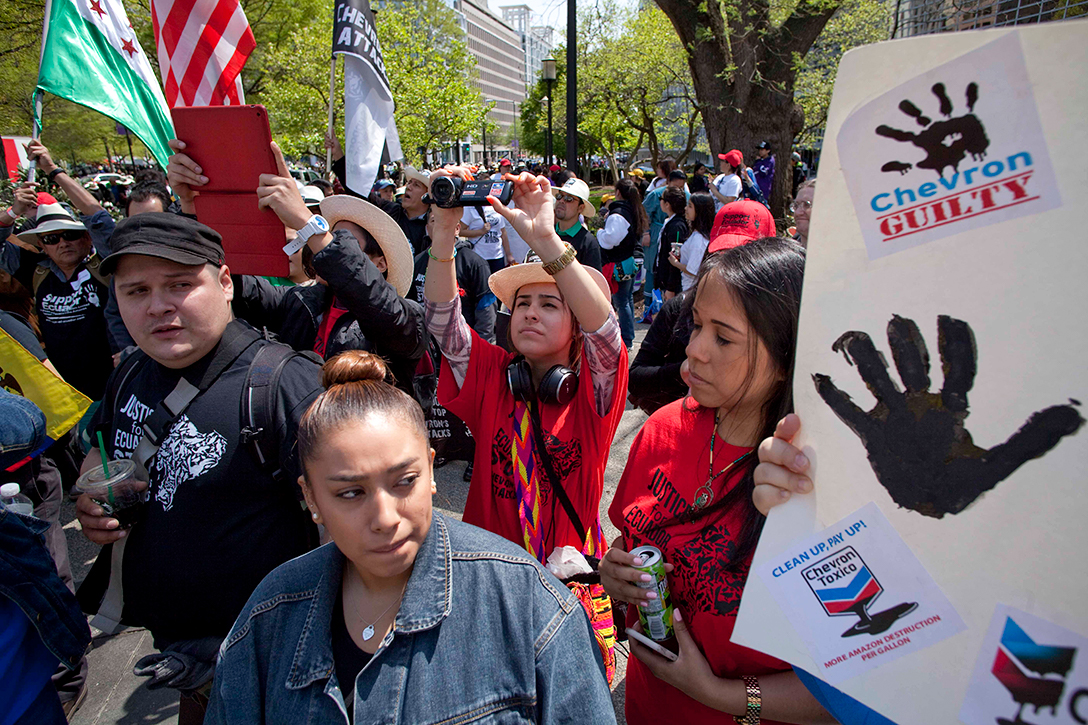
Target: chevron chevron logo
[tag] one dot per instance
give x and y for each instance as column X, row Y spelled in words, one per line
column 1028, row 669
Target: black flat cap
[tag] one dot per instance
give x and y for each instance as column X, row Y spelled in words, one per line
column 169, row 236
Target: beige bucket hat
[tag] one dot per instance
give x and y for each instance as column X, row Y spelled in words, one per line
column 506, row 282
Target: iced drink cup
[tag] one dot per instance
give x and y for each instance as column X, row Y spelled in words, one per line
column 120, row 494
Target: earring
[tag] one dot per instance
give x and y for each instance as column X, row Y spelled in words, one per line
column 314, row 515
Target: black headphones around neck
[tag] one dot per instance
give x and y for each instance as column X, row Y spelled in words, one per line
column 557, row 386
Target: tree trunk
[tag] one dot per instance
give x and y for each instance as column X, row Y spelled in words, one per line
column 744, row 74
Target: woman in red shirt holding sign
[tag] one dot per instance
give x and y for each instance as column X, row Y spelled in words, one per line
column 566, row 386
column 687, row 490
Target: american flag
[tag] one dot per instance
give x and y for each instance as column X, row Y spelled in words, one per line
column 203, row 45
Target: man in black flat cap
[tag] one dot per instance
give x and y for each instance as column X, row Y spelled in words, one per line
column 218, row 518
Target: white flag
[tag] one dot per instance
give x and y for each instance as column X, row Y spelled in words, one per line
column 369, row 126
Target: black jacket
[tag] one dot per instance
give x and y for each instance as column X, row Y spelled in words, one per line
column 377, row 320
column 477, row 301
column 414, row 229
column 654, row 378
column 626, row 248
column 666, row 276
column 586, row 247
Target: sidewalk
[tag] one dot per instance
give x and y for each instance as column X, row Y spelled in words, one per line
column 117, row 697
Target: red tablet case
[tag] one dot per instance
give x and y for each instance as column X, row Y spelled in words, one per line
column 231, row 146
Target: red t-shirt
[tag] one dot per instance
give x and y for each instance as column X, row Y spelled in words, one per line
column 668, row 463
column 578, row 441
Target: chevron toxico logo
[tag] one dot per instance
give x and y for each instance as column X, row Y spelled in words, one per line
column 1018, row 655
column 863, row 587
column 844, row 585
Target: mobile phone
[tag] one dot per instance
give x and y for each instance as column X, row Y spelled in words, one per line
column 647, row 642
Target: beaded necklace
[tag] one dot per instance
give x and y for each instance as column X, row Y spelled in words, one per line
column 704, row 495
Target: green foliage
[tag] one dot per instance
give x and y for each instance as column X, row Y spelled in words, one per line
column 634, row 88
column 856, row 23
column 430, row 71
column 296, row 87
column 636, row 84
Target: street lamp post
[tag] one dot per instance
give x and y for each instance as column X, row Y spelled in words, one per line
column 489, row 102
column 572, row 86
column 548, row 73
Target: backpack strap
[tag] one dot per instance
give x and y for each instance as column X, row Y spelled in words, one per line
column 259, row 404
column 93, row 265
column 40, row 274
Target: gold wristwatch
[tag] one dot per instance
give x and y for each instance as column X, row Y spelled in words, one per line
column 558, row 264
column 755, row 703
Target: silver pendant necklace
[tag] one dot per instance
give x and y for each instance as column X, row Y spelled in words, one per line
column 368, row 631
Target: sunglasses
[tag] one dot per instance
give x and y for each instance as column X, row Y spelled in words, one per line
column 71, row 235
column 568, row 199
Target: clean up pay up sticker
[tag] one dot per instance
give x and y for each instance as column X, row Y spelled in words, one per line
column 858, row 596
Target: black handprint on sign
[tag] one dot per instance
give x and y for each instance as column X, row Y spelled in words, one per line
column 916, row 440
column 947, row 142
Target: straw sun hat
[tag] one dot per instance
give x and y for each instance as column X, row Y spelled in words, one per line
column 506, row 282
column 386, row 232
column 52, row 218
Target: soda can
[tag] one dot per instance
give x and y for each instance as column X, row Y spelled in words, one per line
column 656, row 616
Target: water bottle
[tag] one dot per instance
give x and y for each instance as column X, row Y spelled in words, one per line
column 13, row 500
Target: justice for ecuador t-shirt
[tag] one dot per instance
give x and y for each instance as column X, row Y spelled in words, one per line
column 668, row 463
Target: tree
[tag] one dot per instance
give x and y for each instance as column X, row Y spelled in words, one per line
column 296, row 88
column 856, row 23
column 634, row 81
column 430, row 71
column 744, row 58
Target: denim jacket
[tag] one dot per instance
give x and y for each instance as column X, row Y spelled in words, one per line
column 484, row 635
column 29, row 578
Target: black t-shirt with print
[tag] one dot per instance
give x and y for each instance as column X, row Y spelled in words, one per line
column 216, row 523
column 73, row 323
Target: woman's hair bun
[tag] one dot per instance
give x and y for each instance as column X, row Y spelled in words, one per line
column 353, row 366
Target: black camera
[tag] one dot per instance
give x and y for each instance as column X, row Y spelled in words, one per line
column 449, row 192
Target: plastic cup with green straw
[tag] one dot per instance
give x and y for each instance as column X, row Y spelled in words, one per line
column 105, row 467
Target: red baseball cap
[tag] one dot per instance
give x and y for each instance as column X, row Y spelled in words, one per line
column 44, row 198
column 734, row 157
column 505, row 162
column 554, row 167
column 738, row 223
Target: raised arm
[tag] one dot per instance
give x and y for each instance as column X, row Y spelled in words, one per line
column 81, row 198
column 534, row 220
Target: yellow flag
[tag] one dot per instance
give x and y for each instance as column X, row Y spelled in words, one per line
column 23, row 374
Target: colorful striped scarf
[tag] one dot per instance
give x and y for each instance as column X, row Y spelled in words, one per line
column 527, row 486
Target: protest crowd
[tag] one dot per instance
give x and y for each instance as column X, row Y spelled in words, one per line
column 268, row 517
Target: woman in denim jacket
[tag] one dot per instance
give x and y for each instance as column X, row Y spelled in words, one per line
column 407, row 617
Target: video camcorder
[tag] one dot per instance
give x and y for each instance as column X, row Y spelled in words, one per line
column 449, row 192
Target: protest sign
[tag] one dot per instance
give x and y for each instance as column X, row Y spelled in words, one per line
column 829, row 585
column 975, row 461
column 1026, row 661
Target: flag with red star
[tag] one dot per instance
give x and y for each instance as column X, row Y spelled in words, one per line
column 90, row 55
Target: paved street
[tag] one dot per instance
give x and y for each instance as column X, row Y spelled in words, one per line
column 115, row 695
